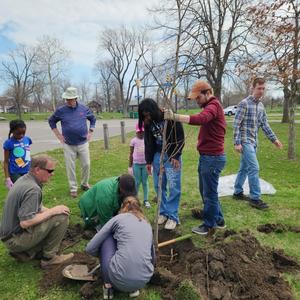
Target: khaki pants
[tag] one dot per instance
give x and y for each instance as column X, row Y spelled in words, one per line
column 83, row 153
column 45, row 237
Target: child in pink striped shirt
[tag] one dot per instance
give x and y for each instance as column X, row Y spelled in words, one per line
column 137, row 162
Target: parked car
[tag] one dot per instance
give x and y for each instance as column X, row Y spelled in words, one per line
column 230, row 110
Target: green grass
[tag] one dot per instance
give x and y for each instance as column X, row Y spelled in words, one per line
column 20, row 281
column 45, row 116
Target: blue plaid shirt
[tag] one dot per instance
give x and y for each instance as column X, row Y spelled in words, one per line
column 249, row 117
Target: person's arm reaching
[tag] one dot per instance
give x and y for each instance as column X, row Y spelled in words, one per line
column 94, row 244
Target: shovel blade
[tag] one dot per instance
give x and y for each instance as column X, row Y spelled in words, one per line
column 78, row 272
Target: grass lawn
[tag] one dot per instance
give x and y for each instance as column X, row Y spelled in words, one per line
column 20, row 280
column 45, row 116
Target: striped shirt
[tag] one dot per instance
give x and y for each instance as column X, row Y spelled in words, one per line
column 249, row 117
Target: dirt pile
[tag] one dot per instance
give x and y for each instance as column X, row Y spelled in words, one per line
column 234, row 267
column 74, row 234
column 277, row 228
column 52, row 276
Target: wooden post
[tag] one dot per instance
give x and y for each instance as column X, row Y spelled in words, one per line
column 105, row 136
column 123, row 137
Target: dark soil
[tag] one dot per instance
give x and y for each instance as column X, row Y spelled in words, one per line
column 75, row 233
column 233, row 266
column 277, row 228
column 52, row 276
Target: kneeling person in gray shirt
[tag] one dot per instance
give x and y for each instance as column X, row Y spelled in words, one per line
column 125, row 246
column 28, row 228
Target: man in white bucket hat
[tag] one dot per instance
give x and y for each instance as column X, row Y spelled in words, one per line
column 74, row 137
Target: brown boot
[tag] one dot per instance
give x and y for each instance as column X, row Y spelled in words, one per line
column 56, row 260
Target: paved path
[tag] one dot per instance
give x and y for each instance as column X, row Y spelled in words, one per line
column 44, row 139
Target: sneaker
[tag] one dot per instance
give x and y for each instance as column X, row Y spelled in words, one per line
column 134, row 294
column 73, row 194
column 162, row 219
column 155, row 199
column 198, row 213
column 108, row 293
column 202, row 230
column 259, row 204
column 56, row 260
column 170, row 224
column 221, row 224
column 85, row 187
column 147, row 204
column 240, row 196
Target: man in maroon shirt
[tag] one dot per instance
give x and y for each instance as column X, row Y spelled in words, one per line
column 211, row 149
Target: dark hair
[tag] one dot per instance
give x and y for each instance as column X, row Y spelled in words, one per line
column 14, row 125
column 257, row 81
column 148, row 105
column 127, row 186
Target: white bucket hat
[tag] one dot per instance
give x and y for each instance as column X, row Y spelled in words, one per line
column 70, row 93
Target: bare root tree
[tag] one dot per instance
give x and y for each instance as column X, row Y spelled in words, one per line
column 19, row 74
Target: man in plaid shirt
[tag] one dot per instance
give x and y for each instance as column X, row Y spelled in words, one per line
column 249, row 117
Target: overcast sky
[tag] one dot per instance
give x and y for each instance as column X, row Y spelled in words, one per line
column 77, row 23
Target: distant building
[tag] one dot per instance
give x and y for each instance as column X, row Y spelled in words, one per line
column 95, row 106
column 5, row 103
column 13, row 109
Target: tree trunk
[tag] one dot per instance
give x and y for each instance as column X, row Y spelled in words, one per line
column 292, row 135
column 18, row 110
column 218, row 88
column 285, row 114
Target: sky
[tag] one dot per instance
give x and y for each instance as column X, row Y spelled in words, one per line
column 76, row 23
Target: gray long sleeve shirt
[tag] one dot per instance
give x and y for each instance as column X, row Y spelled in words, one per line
column 131, row 267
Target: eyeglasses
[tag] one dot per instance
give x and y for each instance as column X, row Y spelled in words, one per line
column 49, row 171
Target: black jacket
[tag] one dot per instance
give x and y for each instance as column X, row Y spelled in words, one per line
column 175, row 141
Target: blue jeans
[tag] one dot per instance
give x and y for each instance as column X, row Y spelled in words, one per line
column 209, row 169
column 248, row 167
column 141, row 176
column 171, row 179
column 107, row 251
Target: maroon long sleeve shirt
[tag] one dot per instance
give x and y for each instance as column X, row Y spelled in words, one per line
column 213, row 128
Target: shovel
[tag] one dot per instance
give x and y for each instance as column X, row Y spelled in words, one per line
column 80, row 272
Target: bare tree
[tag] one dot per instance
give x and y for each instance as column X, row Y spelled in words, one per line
column 106, row 79
column 219, row 29
column 277, row 28
column 125, row 47
column 19, row 74
column 84, row 89
column 52, row 60
column 39, row 93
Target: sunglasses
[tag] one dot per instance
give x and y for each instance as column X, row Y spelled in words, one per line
column 49, row 171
